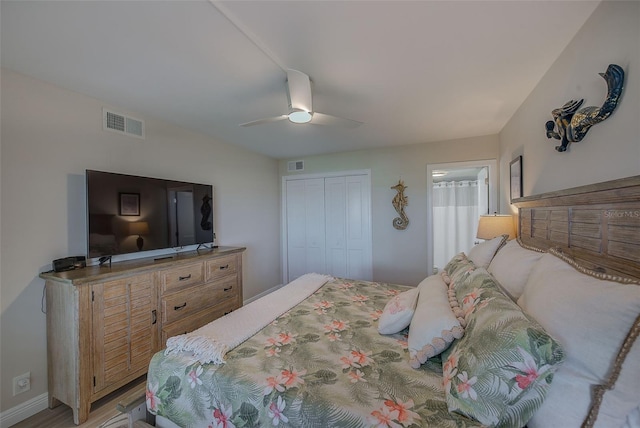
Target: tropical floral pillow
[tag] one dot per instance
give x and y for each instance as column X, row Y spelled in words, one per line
column 500, row 371
column 458, row 268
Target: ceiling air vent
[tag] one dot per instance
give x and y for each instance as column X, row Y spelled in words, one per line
column 116, row 122
column 295, row 166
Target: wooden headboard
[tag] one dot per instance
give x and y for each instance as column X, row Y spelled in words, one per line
column 597, row 225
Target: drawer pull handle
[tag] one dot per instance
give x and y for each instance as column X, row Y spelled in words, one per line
column 182, row 278
column 177, row 308
column 154, row 317
column 224, row 267
column 227, row 289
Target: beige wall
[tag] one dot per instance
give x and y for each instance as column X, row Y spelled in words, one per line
column 400, row 256
column 49, row 137
column 611, row 149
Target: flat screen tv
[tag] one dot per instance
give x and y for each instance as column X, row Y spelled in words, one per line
column 130, row 214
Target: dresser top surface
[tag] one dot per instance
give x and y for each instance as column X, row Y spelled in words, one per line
column 127, row 267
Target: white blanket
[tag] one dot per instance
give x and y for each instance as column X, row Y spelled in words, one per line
column 210, row 343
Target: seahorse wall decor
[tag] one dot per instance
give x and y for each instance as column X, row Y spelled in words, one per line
column 573, row 124
column 399, row 202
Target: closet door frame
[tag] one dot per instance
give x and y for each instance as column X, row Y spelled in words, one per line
column 283, row 225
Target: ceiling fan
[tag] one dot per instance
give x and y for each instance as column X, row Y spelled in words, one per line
column 300, row 105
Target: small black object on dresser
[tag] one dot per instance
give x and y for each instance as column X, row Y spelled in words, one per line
column 69, row 263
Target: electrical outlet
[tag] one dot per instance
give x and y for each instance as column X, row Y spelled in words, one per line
column 21, row 383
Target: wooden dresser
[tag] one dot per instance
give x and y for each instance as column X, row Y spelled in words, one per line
column 105, row 323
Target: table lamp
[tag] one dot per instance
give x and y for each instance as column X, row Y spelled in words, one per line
column 490, row 226
column 139, row 228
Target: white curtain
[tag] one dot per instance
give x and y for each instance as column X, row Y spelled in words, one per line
column 455, row 219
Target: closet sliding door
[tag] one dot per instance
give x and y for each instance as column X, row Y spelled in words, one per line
column 328, row 226
column 336, row 226
column 305, row 226
column 348, row 228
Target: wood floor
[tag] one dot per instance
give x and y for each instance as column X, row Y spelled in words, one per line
column 101, row 411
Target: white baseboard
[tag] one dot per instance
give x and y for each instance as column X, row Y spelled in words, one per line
column 264, row 293
column 23, row 411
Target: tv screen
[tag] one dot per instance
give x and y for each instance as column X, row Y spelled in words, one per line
column 128, row 214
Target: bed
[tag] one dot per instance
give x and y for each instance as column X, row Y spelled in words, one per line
column 538, row 331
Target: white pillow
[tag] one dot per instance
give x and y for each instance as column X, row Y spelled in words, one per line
column 482, row 253
column 398, row 311
column 511, row 267
column 590, row 317
column 633, row 419
column 434, row 325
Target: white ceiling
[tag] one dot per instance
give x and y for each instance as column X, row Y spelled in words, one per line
column 413, row 72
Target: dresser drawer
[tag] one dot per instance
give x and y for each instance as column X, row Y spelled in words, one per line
column 181, row 277
column 186, row 302
column 220, row 267
column 197, row 320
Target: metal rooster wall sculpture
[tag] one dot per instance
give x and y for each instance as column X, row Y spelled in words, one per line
column 573, row 124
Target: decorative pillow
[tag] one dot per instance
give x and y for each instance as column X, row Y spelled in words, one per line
column 434, row 326
column 633, row 419
column 482, row 254
column 457, row 269
column 398, row 311
column 591, row 318
column 500, row 371
column 511, row 267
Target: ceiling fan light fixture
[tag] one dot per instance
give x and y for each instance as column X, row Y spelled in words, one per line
column 300, row 116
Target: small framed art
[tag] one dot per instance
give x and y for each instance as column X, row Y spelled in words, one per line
column 515, row 173
column 129, row 203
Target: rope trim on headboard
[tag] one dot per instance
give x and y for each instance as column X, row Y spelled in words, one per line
column 529, row 247
column 599, row 275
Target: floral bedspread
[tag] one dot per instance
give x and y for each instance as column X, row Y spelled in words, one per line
column 321, row 364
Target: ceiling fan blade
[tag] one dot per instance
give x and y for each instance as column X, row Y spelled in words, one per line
column 267, row 120
column 326, row 119
column 299, row 90
column 300, row 103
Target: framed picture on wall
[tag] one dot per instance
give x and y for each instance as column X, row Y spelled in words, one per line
column 515, row 172
column 129, row 203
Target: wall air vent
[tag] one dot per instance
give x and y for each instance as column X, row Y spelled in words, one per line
column 127, row 125
column 295, row 166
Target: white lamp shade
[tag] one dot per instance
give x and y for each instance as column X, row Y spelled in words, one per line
column 491, row 226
